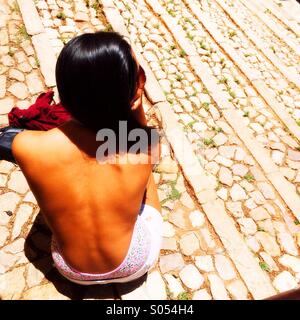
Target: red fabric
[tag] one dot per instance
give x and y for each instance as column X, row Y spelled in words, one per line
column 42, row 115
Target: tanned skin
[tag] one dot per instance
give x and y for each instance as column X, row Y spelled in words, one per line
column 91, row 208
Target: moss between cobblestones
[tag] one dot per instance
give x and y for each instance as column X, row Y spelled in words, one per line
column 184, row 296
column 22, row 35
column 264, row 266
column 296, row 222
column 61, row 15
column 15, row 7
column 249, row 177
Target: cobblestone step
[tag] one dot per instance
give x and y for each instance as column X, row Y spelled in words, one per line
column 137, row 15
column 289, row 8
column 253, row 58
column 239, row 62
column 271, row 46
column 254, row 102
column 280, row 17
column 207, row 79
column 280, row 31
column 34, row 285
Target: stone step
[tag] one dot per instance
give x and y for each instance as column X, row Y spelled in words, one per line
column 256, row 288
column 178, row 36
column 281, row 15
column 257, row 83
column 40, row 40
column 290, row 8
column 231, row 116
column 281, row 33
column 293, row 77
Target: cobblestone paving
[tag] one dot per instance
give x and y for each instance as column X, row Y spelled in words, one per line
column 285, row 93
column 194, row 263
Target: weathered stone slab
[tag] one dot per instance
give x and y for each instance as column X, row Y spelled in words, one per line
column 287, row 191
column 31, row 17
column 272, row 25
column 44, row 292
column 257, row 150
column 278, row 108
column 282, row 15
column 294, row 78
column 46, row 57
column 184, row 153
column 256, row 280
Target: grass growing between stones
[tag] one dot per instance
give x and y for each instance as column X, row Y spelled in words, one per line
column 37, row 61
column 171, row 13
column 22, row 35
column 98, row 7
column 203, row 45
column 223, row 80
column 16, row 8
column 108, row 28
column 184, row 296
column 64, row 39
column 249, row 177
column 190, row 124
column 264, row 266
column 182, row 53
column 273, row 49
column 61, row 15
column 205, row 91
column 209, row 142
column 219, row 185
column 231, row 34
column 232, row 93
column 174, row 194
column 11, row 52
column 205, row 105
column 218, row 129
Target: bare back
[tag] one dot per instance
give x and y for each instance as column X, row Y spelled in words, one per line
column 91, row 208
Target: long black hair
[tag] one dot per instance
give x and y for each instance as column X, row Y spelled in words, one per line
column 97, row 78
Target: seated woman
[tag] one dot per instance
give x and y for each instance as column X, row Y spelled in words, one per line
column 104, row 215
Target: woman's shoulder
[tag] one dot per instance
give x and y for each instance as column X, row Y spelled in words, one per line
column 30, row 145
column 25, row 143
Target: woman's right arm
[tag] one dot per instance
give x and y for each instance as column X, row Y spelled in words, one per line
column 151, row 196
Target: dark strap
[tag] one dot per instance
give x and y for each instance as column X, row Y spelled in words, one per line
column 7, row 135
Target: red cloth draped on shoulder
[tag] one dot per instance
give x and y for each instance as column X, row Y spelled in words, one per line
column 44, row 114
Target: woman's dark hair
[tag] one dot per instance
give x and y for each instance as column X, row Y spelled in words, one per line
column 97, row 78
